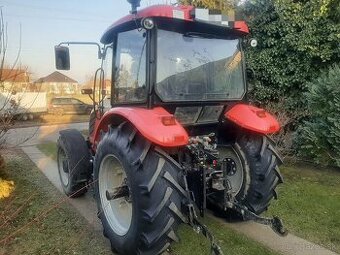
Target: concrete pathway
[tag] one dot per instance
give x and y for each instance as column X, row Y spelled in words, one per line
column 85, row 205
column 289, row 245
column 34, row 135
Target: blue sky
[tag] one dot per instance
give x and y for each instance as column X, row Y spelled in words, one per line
column 46, row 23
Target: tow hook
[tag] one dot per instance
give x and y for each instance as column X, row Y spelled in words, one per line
column 275, row 222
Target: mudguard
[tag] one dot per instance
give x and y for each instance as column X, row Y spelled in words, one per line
column 253, row 118
column 156, row 125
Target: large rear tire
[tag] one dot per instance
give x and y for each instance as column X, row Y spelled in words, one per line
column 264, row 172
column 254, row 173
column 152, row 212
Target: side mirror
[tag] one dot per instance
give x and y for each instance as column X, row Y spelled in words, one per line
column 62, row 58
column 87, row 91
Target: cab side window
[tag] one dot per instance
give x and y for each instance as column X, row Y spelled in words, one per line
column 130, row 67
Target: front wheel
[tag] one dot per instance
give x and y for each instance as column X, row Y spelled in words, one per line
column 73, row 158
column 145, row 215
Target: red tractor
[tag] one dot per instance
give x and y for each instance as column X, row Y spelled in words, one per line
column 178, row 137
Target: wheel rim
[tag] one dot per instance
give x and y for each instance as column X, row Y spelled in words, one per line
column 118, row 212
column 236, row 176
column 63, row 167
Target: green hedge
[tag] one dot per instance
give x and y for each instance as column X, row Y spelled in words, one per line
column 297, row 39
column 318, row 139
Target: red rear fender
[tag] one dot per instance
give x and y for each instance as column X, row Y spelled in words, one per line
column 253, row 118
column 156, row 125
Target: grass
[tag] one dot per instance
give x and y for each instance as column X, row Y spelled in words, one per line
column 309, row 203
column 67, row 118
column 231, row 242
column 49, row 149
column 50, row 119
column 58, row 231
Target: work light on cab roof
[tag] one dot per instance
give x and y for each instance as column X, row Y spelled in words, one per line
column 171, row 132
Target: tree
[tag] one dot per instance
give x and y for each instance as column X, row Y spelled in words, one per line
column 297, row 39
column 7, row 105
column 318, row 138
column 224, row 5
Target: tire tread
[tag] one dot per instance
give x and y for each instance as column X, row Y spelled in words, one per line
column 265, row 175
column 158, row 185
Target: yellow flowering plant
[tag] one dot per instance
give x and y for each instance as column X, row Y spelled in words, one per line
column 6, row 188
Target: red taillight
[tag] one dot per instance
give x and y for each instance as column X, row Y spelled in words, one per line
column 214, row 162
column 168, row 120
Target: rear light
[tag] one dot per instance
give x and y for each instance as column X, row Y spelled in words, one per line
column 168, row 120
column 179, row 138
column 214, row 162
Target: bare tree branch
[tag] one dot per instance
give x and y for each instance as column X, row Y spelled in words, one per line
column 8, row 75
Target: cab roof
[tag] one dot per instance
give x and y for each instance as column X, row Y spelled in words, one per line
column 184, row 13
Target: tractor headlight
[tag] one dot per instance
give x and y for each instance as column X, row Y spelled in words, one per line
column 148, row 23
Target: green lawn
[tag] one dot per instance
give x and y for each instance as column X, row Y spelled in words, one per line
column 57, row 230
column 309, row 203
column 231, row 242
column 50, row 119
column 49, row 149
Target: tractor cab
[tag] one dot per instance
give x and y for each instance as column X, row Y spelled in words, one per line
column 187, row 60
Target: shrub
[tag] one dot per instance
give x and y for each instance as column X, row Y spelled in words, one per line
column 319, row 138
column 296, row 40
column 284, row 138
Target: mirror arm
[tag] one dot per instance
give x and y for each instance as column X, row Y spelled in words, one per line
column 101, row 54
